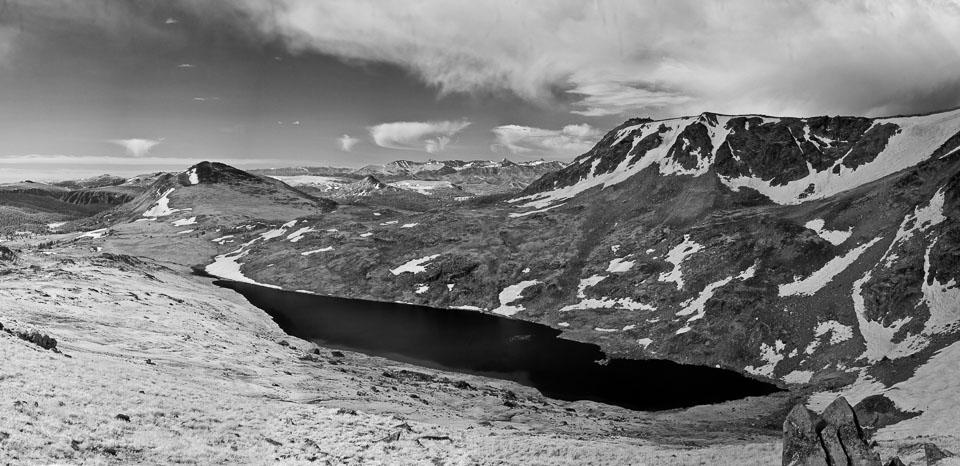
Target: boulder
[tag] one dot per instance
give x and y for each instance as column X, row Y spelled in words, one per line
column 922, row 454
column 801, row 444
column 833, row 439
column 841, row 416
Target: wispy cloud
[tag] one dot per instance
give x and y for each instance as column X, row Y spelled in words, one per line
column 661, row 58
column 136, row 147
column 429, row 136
column 185, row 65
column 171, row 21
column 571, row 140
column 346, row 142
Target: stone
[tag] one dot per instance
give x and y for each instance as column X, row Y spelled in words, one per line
column 801, row 445
column 831, row 443
column 841, row 416
column 895, row 461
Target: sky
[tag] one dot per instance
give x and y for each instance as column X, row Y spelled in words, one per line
column 136, row 86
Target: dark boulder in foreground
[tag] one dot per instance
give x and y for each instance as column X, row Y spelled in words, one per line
column 6, row 254
column 835, row 439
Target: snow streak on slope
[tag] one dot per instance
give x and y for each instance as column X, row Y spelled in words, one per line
column 920, row 220
column 916, row 141
column 414, row 266
column 307, row 253
column 620, row 174
column 185, row 221
column 819, row 279
column 696, row 305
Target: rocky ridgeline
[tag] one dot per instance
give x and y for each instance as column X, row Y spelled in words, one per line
column 836, row 439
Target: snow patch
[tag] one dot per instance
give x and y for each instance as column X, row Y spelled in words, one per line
column 608, row 303
column 227, row 266
column 185, row 231
column 586, row 283
column 414, row 266
column 184, row 222
column 278, row 232
column 920, row 220
column 409, row 225
column 644, row 342
column 838, row 332
column 877, row 337
column 161, row 208
column 421, row 288
column 798, row 377
column 771, row 355
column 298, row 235
column 619, row 265
column 308, row 253
column 676, row 256
column 820, row 278
column 95, row 234
column 524, row 214
column 835, row 237
column 942, row 299
column 511, row 294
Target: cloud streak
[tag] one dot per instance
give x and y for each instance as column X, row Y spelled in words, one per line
column 429, row 136
column 571, row 140
column 346, row 142
column 136, row 147
column 660, row 58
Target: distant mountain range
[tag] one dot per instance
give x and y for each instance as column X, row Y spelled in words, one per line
column 474, row 177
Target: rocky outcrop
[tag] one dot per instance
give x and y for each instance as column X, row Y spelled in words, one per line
column 921, row 454
column 833, row 439
column 6, row 255
column 876, row 411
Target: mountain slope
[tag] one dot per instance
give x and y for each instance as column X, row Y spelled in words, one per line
column 798, row 250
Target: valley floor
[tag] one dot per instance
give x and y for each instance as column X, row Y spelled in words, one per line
column 159, row 366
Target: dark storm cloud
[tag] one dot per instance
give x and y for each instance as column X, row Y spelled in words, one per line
column 668, row 58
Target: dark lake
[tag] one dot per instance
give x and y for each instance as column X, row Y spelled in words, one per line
column 484, row 344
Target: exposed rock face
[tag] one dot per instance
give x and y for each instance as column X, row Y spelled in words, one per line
column 833, row 440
